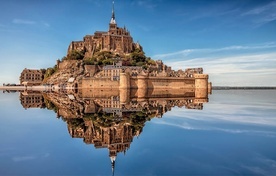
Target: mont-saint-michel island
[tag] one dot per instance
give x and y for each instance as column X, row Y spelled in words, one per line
column 104, row 87
column 112, row 60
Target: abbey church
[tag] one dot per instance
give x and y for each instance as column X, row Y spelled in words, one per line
column 116, row 39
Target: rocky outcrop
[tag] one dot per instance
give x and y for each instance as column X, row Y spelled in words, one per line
column 67, row 69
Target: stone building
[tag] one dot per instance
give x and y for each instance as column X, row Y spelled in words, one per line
column 31, row 77
column 113, row 71
column 32, row 100
column 116, row 39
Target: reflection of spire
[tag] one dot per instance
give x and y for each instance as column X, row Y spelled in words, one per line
column 113, row 158
column 112, row 21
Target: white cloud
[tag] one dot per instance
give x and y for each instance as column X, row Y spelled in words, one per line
column 208, row 127
column 244, row 68
column 262, row 165
column 252, row 65
column 45, row 24
column 225, row 114
column 234, row 112
column 263, row 14
column 22, row 158
column 187, row 52
column 23, row 21
column 30, row 22
column 262, row 9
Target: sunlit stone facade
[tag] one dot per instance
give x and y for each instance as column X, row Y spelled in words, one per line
column 116, row 39
column 31, row 77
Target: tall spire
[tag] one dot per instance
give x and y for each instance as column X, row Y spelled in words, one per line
column 113, row 158
column 112, row 21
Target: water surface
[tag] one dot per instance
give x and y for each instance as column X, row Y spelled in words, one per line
column 234, row 134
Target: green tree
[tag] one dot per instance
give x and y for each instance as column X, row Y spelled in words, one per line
column 50, row 71
column 75, row 55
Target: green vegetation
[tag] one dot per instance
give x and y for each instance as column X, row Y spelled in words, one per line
column 102, row 119
column 74, row 55
column 138, row 58
column 138, row 120
column 76, row 123
column 102, row 58
column 51, row 106
column 49, row 71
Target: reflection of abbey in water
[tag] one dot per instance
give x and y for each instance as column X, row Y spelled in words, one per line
column 106, row 119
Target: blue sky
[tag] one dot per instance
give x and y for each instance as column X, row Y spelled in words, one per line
column 234, row 41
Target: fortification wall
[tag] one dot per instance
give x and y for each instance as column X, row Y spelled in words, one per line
column 98, row 93
column 169, row 93
column 143, row 86
column 201, row 86
column 124, row 82
column 99, row 83
column 170, row 83
column 143, row 82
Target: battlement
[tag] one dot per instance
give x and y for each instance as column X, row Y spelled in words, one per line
column 201, row 76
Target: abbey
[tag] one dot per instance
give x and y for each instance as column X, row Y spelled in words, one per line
column 116, row 39
column 124, row 68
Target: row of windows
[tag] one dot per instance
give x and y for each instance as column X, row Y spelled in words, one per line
column 32, row 98
column 32, row 79
column 28, row 102
column 30, row 76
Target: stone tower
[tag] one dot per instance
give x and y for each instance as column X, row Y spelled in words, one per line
column 112, row 24
column 116, row 39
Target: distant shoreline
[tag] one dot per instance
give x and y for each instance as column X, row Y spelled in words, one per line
column 24, row 88
column 213, row 88
column 243, row 88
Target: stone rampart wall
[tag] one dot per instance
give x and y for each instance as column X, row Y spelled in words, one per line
column 141, row 82
column 161, row 83
column 99, row 93
column 201, row 85
column 99, row 83
column 170, row 83
column 169, row 93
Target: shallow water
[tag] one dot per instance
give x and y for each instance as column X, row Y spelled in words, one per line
column 234, row 134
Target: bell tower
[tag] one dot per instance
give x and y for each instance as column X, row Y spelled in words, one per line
column 112, row 24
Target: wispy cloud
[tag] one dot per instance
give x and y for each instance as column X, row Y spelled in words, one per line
column 23, row 21
column 271, row 6
column 262, row 14
column 234, row 14
column 223, row 113
column 219, row 116
column 243, row 65
column 262, row 165
column 30, row 22
column 215, row 11
column 45, row 24
column 23, row 158
column 197, row 127
column 30, row 157
column 187, row 52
